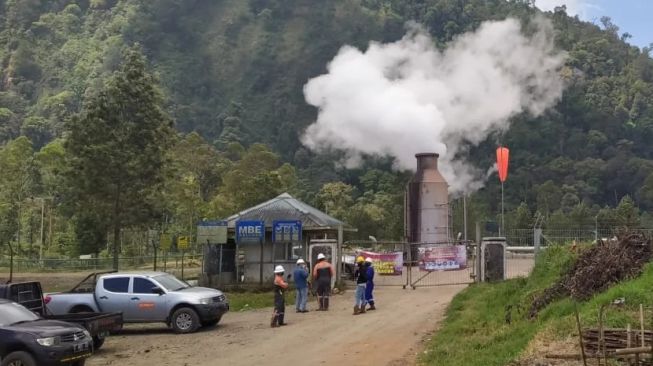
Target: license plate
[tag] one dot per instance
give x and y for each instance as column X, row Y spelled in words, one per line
column 81, row 347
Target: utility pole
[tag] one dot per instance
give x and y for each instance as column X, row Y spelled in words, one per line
column 465, row 217
column 41, row 241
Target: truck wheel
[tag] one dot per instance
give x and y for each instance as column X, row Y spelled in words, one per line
column 185, row 320
column 98, row 342
column 18, row 358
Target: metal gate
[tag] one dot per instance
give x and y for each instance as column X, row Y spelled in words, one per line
column 389, row 260
column 439, row 264
column 421, row 264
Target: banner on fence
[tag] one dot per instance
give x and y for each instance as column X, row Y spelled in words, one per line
column 442, row 258
column 386, row 264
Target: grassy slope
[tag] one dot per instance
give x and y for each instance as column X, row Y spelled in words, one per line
column 475, row 331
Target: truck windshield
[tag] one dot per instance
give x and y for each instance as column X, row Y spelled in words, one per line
column 12, row 313
column 171, row 283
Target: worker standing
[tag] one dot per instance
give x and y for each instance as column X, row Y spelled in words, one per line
column 322, row 274
column 361, row 283
column 369, row 287
column 301, row 285
column 280, row 287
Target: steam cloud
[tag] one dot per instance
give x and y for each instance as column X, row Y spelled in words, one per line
column 407, row 97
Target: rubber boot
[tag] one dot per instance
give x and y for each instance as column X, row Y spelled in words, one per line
column 326, row 303
column 274, row 321
column 362, row 309
column 372, row 307
column 281, row 322
column 320, row 301
column 357, row 310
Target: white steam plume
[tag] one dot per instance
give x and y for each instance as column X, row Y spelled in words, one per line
column 407, row 97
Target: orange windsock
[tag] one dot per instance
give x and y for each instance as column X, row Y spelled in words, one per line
column 502, row 162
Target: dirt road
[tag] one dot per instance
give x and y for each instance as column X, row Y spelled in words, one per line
column 391, row 335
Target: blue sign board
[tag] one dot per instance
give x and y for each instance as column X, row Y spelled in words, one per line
column 250, row 231
column 287, row 231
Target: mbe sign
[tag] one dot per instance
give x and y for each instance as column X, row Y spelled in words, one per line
column 250, row 231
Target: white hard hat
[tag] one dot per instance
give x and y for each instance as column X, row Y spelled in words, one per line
column 368, row 260
column 279, row 269
column 300, row 261
column 321, row 256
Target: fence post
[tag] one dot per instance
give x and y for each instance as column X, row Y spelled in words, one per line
column 478, row 252
column 537, row 237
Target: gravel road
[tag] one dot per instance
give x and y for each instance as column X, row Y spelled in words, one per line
column 391, row 335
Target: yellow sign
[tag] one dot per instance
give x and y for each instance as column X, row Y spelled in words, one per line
column 165, row 242
column 182, row 242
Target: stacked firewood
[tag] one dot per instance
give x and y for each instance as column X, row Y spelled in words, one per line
column 614, row 339
column 597, row 268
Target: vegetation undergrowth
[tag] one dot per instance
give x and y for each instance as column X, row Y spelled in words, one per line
column 241, row 301
column 487, row 324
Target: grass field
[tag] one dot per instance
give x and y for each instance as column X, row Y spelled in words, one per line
column 478, row 329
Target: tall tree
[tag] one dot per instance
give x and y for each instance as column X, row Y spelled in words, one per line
column 16, row 184
column 116, row 149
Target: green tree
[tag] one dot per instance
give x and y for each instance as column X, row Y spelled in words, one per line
column 17, row 183
column 336, row 199
column 523, row 217
column 116, row 149
column 627, row 214
column 256, row 177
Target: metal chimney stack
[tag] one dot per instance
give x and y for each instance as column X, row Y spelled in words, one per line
column 427, row 203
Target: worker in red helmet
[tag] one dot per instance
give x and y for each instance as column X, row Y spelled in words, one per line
column 322, row 274
column 280, row 287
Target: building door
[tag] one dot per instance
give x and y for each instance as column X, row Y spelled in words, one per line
column 329, row 249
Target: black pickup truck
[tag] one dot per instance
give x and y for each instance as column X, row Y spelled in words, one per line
column 26, row 339
column 30, row 295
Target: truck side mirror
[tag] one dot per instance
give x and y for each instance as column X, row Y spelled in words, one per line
column 157, row 290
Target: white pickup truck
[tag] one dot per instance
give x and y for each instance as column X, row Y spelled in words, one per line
column 143, row 297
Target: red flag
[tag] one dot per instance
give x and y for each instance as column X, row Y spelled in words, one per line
column 502, row 163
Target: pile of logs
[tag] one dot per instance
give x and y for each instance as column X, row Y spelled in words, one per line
column 614, row 339
column 597, row 268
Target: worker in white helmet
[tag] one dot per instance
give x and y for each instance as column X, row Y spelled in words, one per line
column 322, row 274
column 369, row 288
column 300, row 276
column 280, row 287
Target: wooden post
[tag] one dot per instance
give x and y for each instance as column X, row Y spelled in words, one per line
column 260, row 280
column 580, row 335
column 641, row 321
column 628, row 341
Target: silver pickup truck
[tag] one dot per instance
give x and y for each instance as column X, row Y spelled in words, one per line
column 143, row 297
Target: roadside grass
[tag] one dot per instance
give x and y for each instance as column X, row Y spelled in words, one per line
column 242, row 301
column 486, row 324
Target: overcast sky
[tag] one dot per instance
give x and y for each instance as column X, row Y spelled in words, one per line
column 632, row 16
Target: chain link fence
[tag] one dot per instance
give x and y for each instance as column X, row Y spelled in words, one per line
column 163, row 263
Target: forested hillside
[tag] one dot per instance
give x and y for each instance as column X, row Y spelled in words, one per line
column 232, row 72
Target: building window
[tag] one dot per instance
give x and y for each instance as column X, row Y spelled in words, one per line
column 288, row 251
